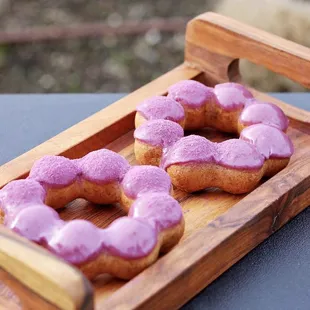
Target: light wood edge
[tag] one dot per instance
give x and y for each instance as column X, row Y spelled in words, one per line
column 45, row 275
column 196, row 262
column 78, row 140
column 224, row 40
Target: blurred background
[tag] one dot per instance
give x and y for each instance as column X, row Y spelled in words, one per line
column 73, row 46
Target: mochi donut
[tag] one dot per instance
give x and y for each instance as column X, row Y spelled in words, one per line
column 130, row 244
column 195, row 163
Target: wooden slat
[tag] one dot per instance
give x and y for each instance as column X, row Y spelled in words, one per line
column 40, row 279
column 226, row 39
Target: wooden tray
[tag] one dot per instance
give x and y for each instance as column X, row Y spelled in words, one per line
column 220, row 228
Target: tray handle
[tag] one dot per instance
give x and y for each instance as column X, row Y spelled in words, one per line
column 215, row 43
column 39, row 279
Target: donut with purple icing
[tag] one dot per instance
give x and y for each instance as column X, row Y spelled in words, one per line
column 195, row 163
column 127, row 246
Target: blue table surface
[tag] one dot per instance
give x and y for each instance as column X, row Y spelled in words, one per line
column 275, row 275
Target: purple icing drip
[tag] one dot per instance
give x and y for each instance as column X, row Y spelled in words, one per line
column 161, row 107
column 159, row 133
column 238, row 154
column 35, row 223
column 266, row 113
column 17, row 194
column 270, row 141
column 232, row 96
column 189, row 149
column 240, row 87
column 103, row 166
column 55, row 171
column 232, row 153
column 143, row 179
column 130, row 238
column 190, row 93
column 77, row 241
column 21, row 192
column 159, row 209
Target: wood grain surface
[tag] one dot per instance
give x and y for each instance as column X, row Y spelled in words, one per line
column 220, row 228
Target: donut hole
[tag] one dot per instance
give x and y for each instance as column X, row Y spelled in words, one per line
column 101, row 215
column 212, row 134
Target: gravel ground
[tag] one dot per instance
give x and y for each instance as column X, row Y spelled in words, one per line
column 107, row 64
